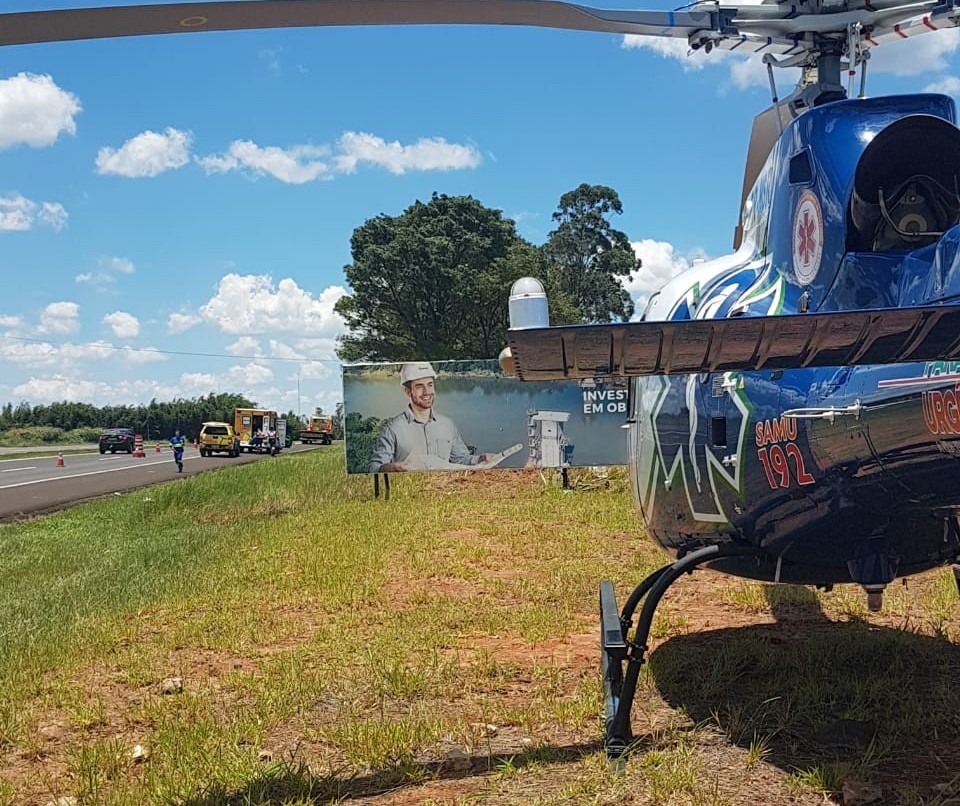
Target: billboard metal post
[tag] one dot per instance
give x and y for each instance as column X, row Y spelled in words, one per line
column 386, row 486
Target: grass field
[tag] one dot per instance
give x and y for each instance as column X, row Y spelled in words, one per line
column 271, row 634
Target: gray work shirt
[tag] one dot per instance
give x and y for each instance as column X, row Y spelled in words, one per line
column 404, row 434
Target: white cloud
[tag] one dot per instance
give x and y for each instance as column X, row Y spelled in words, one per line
column 907, row 57
column 31, row 353
column 744, row 71
column 948, row 85
column 195, row 384
column 245, row 345
column 18, row 213
column 252, row 374
column 916, row 55
column 56, row 388
column 314, row 370
column 58, row 378
column 14, row 322
column 35, row 111
column 295, row 165
column 147, row 355
column 427, row 154
column 324, row 355
column 123, row 324
column 244, row 379
column 660, row 264
column 36, row 354
column 271, row 58
column 279, row 349
column 181, row 322
column 752, row 72
column 118, row 264
column 148, row 154
column 90, row 351
column 96, row 279
column 60, row 317
column 251, row 304
column 667, row 47
column 318, row 347
column 308, row 163
column 53, row 214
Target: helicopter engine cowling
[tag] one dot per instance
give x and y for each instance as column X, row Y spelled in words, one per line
column 906, row 189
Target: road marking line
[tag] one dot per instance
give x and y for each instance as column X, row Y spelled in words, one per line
column 79, row 475
column 15, row 469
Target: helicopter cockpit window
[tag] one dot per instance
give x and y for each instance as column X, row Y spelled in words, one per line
column 646, row 308
column 801, row 172
column 756, row 209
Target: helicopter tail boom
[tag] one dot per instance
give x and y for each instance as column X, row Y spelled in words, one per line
column 856, row 338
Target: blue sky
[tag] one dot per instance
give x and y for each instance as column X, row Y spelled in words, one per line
column 176, row 211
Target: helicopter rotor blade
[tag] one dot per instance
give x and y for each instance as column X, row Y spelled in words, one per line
column 771, row 27
column 232, row 15
column 907, row 28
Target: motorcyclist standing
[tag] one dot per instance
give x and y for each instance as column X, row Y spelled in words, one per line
column 177, row 442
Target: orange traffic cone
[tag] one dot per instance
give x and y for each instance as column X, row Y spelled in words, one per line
column 196, row 444
column 60, row 460
column 158, row 448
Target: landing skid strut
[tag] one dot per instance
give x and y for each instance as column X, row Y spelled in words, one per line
column 622, row 658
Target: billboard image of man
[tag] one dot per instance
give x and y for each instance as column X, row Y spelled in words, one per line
column 419, row 438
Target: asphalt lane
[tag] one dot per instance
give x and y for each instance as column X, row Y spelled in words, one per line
column 35, row 486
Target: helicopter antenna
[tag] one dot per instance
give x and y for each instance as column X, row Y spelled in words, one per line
column 769, row 61
column 857, row 54
column 852, row 37
column 863, row 73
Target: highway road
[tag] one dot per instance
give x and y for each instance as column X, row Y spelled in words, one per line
column 36, row 486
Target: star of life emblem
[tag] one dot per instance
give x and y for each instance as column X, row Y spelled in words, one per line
column 807, row 238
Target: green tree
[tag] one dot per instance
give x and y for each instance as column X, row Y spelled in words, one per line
column 154, row 420
column 586, row 256
column 431, row 283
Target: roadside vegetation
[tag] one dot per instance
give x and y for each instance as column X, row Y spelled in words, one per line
column 272, row 634
column 71, row 422
column 40, row 435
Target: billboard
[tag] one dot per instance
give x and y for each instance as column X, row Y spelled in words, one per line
column 469, row 415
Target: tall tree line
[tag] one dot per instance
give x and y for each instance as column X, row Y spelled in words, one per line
column 153, row 420
column 433, row 282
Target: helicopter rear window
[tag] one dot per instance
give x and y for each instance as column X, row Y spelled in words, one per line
column 800, row 171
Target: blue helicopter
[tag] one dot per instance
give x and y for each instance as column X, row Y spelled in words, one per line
column 795, row 408
column 795, row 411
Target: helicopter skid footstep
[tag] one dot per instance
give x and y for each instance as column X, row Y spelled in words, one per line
column 622, row 657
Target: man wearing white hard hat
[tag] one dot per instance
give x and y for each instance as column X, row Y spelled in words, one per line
column 418, row 430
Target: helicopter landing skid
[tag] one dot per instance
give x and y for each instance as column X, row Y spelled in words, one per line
column 621, row 658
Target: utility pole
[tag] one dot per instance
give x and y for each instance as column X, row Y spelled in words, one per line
column 299, row 413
